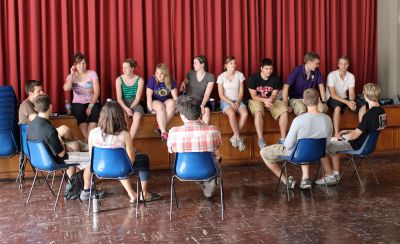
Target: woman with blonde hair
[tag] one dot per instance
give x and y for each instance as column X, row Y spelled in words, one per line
column 129, row 87
column 161, row 96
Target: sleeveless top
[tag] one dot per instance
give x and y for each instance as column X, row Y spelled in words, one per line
column 129, row 92
column 108, row 141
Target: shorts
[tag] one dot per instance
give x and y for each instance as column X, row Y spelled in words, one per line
column 137, row 109
column 79, row 111
column 224, row 105
column 277, row 109
column 272, row 152
column 332, row 104
column 337, row 146
column 299, row 107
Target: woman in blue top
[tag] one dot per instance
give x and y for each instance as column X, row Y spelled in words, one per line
column 161, row 96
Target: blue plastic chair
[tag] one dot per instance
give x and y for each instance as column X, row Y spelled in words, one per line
column 44, row 162
column 195, row 166
column 9, row 145
column 306, row 151
column 112, row 163
column 364, row 152
column 23, row 154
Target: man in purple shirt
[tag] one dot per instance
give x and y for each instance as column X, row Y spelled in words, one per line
column 301, row 78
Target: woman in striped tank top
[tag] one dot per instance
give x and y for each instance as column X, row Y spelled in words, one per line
column 129, row 87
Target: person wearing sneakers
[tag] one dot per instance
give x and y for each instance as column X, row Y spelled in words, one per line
column 112, row 133
column 303, row 77
column 199, row 84
column 264, row 87
column 230, row 90
column 40, row 129
column 373, row 120
column 311, row 124
column 27, row 112
column 194, row 135
column 161, row 96
column 339, row 83
column 129, row 87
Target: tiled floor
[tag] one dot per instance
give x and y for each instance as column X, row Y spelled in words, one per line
column 254, row 213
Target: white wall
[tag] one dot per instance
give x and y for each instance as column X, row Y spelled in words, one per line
column 389, row 47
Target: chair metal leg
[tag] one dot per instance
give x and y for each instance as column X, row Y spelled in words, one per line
column 90, row 193
column 221, row 185
column 316, row 174
column 47, row 177
column 176, row 199
column 59, row 189
column 170, row 202
column 358, row 165
column 33, row 183
column 358, row 175
column 21, row 173
column 280, row 176
column 287, row 185
column 47, row 183
column 372, row 169
column 326, row 185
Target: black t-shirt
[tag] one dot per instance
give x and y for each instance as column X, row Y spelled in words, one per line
column 263, row 87
column 373, row 120
column 40, row 129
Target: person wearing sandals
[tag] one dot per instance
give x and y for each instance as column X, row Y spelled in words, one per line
column 129, row 87
column 230, row 90
column 161, row 96
column 200, row 84
column 86, row 90
column 264, row 87
column 312, row 124
column 112, row 133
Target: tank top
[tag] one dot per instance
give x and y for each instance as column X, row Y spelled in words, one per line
column 129, row 92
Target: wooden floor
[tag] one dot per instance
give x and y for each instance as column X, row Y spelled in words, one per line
column 253, row 212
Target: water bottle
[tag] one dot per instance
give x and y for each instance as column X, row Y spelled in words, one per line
column 67, row 107
column 96, row 204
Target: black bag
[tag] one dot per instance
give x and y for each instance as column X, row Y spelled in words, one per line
column 74, row 187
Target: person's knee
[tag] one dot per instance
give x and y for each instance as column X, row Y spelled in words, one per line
column 337, row 110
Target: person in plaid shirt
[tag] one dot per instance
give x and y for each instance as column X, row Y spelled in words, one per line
column 194, row 135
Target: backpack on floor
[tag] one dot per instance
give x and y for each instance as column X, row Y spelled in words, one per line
column 74, row 187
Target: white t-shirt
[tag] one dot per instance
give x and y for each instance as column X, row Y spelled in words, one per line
column 231, row 87
column 341, row 86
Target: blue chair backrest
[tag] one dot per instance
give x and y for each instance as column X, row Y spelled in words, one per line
column 40, row 157
column 195, row 165
column 24, row 135
column 9, row 145
column 309, row 150
column 110, row 163
column 7, row 88
column 369, row 144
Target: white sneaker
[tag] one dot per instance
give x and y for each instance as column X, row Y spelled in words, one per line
column 330, row 180
column 233, row 141
column 241, row 145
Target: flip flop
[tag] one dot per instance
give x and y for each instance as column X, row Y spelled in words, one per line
column 154, row 197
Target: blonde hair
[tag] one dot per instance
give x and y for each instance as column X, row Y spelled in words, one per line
column 311, row 97
column 372, row 91
column 165, row 71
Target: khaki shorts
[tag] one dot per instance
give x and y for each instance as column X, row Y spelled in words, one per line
column 299, row 107
column 337, row 146
column 277, row 109
column 272, row 152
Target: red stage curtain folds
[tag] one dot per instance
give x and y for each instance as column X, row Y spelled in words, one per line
column 39, row 37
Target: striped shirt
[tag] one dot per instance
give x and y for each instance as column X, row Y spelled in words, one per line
column 194, row 136
column 129, row 92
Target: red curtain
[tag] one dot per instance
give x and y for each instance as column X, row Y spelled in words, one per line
column 39, row 37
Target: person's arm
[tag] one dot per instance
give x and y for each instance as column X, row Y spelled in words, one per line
column 138, row 93
column 274, row 96
column 96, row 94
column 285, row 94
column 171, row 141
column 207, row 93
column 56, row 144
column 119, row 97
column 130, row 149
column 354, row 134
column 322, row 92
column 291, row 138
column 32, row 116
column 352, row 94
column 332, row 91
column 174, row 94
column 70, row 78
column 241, row 92
column 149, row 99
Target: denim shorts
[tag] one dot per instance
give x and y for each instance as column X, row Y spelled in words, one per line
column 224, row 105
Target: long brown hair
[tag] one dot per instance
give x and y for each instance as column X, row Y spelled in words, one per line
column 112, row 119
column 165, row 71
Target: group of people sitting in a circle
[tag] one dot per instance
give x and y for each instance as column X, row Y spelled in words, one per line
column 106, row 126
